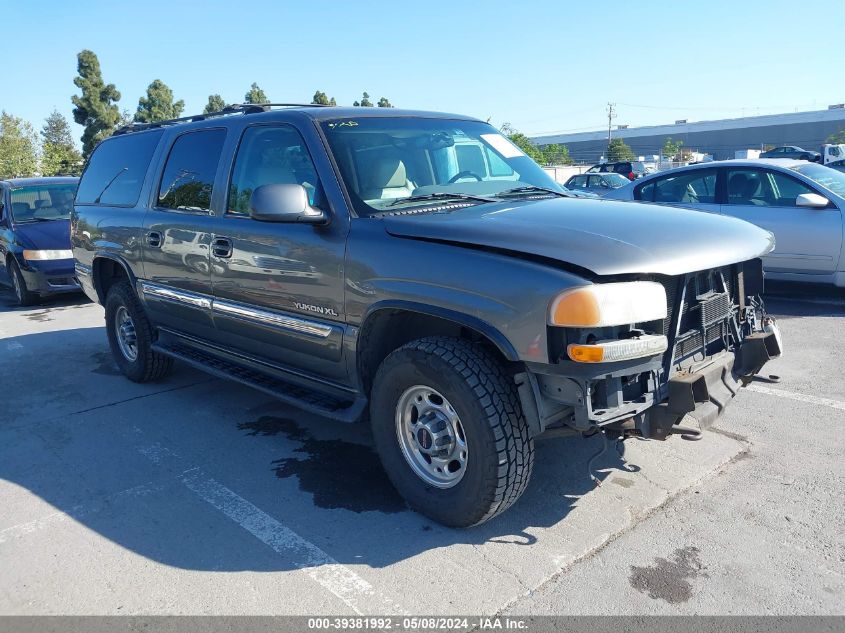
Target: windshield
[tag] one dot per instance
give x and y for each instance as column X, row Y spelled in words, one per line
column 828, row 178
column 43, row 202
column 384, row 161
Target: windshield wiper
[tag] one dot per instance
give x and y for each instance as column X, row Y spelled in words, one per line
column 529, row 189
column 441, row 196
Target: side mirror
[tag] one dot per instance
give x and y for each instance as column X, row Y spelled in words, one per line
column 284, row 203
column 811, row 200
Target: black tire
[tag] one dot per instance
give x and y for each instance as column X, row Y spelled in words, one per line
column 22, row 294
column 500, row 448
column 147, row 366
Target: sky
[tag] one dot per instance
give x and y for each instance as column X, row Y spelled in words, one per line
column 542, row 66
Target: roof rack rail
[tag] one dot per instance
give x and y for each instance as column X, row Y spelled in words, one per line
column 233, row 108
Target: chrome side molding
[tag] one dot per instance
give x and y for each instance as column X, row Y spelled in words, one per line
column 176, row 296
column 273, row 319
column 236, row 310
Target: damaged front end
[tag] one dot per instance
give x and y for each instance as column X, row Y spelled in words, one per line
column 716, row 336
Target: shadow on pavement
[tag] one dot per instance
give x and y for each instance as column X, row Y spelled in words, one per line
column 117, row 467
column 793, row 299
column 8, row 302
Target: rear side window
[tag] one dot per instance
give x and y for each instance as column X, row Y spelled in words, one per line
column 116, row 170
column 692, row 187
column 577, row 182
column 188, row 176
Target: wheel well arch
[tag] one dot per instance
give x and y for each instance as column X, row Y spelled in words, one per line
column 107, row 271
column 389, row 327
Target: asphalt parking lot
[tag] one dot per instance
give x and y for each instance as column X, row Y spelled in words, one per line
column 196, row 496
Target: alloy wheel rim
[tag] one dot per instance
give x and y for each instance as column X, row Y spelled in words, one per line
column 127, row 339
column 431, row 436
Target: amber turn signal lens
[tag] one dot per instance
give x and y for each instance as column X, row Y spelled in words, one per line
column 586, row 353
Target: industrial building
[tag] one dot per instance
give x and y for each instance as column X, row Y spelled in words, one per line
column 721, row 139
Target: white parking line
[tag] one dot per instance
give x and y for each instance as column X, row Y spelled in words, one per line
column 800, row 397
column 344, row 583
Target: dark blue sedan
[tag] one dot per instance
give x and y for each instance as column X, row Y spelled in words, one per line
column 35, row 255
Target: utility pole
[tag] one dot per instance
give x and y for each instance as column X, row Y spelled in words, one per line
column 611, row 114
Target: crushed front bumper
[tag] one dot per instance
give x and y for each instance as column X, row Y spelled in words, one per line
column 701, row 391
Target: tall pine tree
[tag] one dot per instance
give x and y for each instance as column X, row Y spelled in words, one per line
column 255, row 95
column 320, row 98
column 365, row 102
column 158, row 105
column 59, row 156
column 96, row 108
column 215, row 104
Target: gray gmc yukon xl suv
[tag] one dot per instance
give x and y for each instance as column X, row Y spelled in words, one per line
column 420, row 268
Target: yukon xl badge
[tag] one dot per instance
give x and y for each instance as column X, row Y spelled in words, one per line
column 318, row 309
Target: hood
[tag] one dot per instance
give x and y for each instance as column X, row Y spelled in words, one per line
column 52, row 235
column 604, row 236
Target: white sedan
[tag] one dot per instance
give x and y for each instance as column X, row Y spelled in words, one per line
column 801, row 203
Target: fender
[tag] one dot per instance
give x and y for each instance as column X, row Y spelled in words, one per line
column 116, row 259
column 474, row 323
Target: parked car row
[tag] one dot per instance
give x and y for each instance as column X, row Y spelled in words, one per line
column 596, row 183
column 630, row 169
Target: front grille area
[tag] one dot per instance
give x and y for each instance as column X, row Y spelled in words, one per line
column 701, row 304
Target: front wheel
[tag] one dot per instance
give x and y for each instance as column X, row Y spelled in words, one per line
column 22, row 294
column 448, row 426
column 131, row 336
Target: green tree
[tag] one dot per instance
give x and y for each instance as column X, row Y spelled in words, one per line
column 671, row 149
column 384, row 103
column 158, row 105
column 618, row 150
column 523, row 142
column 556, row 154
column 96, row 108
column 126, row 118
column 320, row 98
column 838, row 137
column 59, row 156
column 365, row 102
column 18, row 147
column 215, row 104
column 255, row 95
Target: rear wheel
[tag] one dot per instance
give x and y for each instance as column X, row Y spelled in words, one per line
column 449, row 428
column 22, row 294
column 131, row 335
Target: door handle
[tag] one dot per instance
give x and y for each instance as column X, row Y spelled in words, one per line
column 221, row 247
column 154, row 239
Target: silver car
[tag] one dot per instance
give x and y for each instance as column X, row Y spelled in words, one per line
column 801, row 203
column 599, row 184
